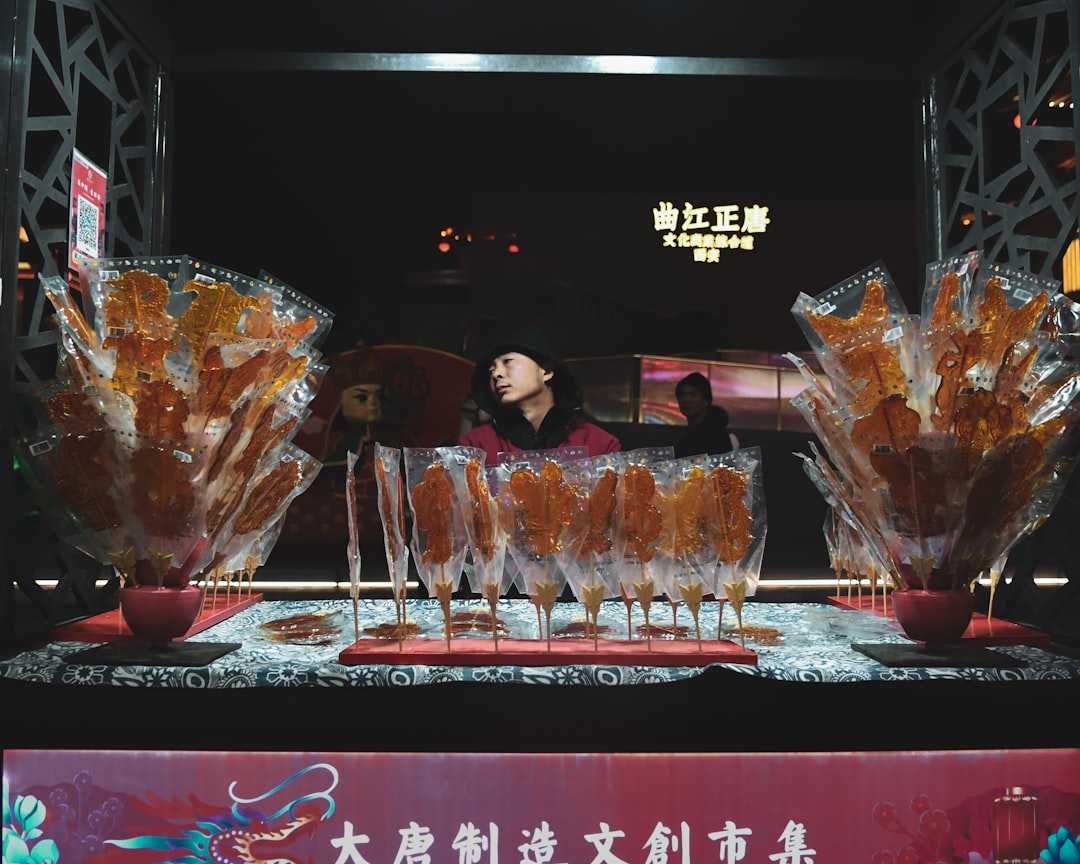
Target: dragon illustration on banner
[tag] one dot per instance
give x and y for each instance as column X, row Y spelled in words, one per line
column 72, row 822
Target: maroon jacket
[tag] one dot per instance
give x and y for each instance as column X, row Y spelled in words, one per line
column 581, row 433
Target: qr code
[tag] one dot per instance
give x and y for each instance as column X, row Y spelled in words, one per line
column 86, row 235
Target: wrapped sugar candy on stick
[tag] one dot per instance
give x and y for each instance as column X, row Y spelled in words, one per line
column 640, row 456
column 649, row 455
column 285, row 312
column 862, row 566
column 260, row 550
column 829, row 421
column 352, row 549
column 273, row 488
column 692, row 555
column 476, row 489
column 851, row 329
column 851, row 557
column 241, row 568
column 737, row 525
column 830, row 530
column 85, row 343
column 665, row 563
column 187, row 466
column 391, row 489
column 851, row 513
column 439, row 541
column 72, row 474
column 228, row 373
column 250, row 445
column 649, row 526
column 939, row 479
column 542, row 505
column 593, row 553
column 944, row 305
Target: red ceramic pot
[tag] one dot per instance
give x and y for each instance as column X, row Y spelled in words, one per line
column 939, row 579
column 160, row 615
column 144, row 575
column 933, row 617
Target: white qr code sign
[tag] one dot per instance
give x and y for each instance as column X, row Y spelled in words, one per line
column 86, row 238
column 86, row 231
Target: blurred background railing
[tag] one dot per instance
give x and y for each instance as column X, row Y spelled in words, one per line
column 754, row 387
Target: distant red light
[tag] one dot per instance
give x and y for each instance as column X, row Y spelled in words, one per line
column 444, row 246
column 513, row 248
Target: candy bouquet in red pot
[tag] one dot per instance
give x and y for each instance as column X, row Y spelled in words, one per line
column 947, row 434
column 164, row 446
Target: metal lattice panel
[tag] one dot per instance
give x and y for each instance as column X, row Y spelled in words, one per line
column 87, row 85
column 90, row 88
column 1005, row 160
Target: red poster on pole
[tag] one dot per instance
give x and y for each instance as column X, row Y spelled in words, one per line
column 86, row 234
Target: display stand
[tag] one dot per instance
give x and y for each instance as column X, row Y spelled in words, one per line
column 139, row 653
column 982, row 631
column 916, row 654
column 111, row 627
column 562, row 652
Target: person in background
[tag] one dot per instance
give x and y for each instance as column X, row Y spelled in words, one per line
column 706, row 424
column 533, row 400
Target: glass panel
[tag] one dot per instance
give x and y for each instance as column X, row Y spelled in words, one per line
column 659, row 375
column 609, row 384
column 791, row 384
column 748, row 393
column 756, row 396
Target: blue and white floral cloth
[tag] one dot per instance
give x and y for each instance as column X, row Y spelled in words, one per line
column 811, row 642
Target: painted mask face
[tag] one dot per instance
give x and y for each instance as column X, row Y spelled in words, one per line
column 362, row 403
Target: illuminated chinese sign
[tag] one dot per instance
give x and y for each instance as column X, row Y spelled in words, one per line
column 708, row 231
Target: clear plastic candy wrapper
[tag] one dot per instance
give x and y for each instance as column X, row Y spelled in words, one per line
column 646, row 503
column 392, row 497
column 164, row 445
column 946, row 433
column 439, row 541
column 538, row 508
column 635, row 525
column 593, row 554
column 487, row 533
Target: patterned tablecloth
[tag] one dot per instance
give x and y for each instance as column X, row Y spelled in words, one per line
column 805, row 642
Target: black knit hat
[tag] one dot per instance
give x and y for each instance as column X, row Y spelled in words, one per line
column 531, row 342
column 699, row 382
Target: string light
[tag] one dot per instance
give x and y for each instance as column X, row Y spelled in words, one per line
column 449, row 237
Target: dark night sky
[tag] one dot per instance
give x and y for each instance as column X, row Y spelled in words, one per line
column 338, row 183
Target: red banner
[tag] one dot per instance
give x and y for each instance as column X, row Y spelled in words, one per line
column 438, row 808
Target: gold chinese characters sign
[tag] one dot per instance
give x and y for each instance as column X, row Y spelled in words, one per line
column 707, row 231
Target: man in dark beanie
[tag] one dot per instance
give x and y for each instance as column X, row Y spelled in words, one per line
column 706, row 424
column 533, row 399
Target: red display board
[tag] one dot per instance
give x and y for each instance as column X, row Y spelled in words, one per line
column 982, row 631
column 111, row 807
column 525, row 652
column 111, row 627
